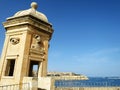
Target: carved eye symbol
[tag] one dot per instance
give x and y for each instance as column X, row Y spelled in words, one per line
column 14, row 40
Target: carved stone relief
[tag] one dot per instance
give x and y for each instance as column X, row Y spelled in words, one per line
column 14, row 40
column 37, row 43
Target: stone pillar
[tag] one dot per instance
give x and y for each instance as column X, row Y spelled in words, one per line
column 45, row 61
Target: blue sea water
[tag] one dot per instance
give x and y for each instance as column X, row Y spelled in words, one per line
column 91, row 82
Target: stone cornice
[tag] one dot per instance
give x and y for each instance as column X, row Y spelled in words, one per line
column 29, row 20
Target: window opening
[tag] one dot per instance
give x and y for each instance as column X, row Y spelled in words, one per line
column 10, row 67
column 34, row 66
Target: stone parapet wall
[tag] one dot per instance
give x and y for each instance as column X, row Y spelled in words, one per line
column 46, row 83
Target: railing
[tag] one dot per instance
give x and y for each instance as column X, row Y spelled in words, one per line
column 88, row 88
column 87, row 83
column 23, row 86
column 91, row 82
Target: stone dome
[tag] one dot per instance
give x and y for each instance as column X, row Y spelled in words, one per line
column 33, row 12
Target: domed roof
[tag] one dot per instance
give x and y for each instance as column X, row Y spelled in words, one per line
column 32, row 11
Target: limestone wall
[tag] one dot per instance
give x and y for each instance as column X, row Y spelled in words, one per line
column 46, row 83
column 70, row 78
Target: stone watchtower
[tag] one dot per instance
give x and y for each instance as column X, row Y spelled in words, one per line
column 26, row 46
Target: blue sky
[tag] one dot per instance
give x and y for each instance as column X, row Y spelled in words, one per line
column 86, row 36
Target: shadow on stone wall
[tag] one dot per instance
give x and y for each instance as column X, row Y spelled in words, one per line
column 41, row 89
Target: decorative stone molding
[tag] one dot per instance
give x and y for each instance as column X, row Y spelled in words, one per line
column 14, row 40
column 31, row 21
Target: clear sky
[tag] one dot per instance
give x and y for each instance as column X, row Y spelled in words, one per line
column 86, row 37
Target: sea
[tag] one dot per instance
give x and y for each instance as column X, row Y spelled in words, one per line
column 91, row 82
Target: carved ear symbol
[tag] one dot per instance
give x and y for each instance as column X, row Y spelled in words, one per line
column 14, row 40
